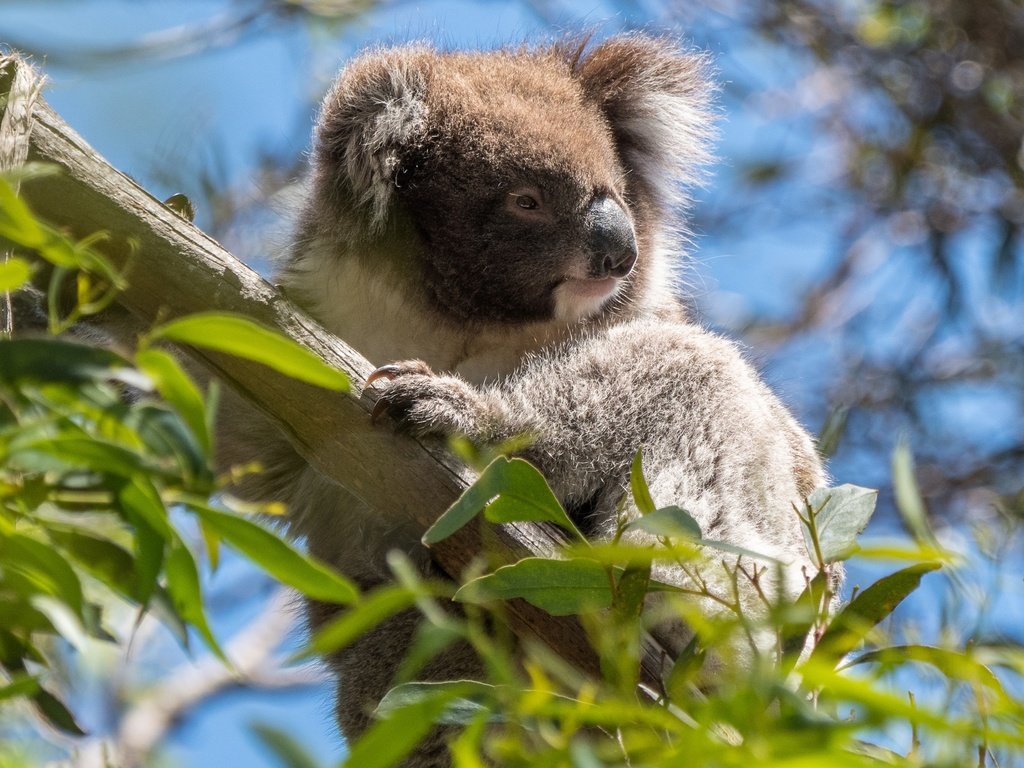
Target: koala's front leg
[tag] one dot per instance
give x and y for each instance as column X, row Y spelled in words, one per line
column 422, row 403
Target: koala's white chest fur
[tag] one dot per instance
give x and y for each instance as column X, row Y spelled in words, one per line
column 376, row 317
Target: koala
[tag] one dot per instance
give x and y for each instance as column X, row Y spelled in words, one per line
column 499, row 232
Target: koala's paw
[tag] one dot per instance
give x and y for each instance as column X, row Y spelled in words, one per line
column 422, row 402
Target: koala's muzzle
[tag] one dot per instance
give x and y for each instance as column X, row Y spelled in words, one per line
column 611, row 239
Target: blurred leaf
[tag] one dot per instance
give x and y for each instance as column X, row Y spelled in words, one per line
column 14, row 273
column 955, row 665
column 102, row 559
column 285, row 747
column 670, row 522
column 278, row 558
column 508, row 490
column 186, row 594
column 387, row 741
column 175, row 386
column 239, row 336
column 378, row 606
column 55, row 360
column 871, row 606
column 638, row 486
column 463, row 696
column 560, row 587
column 19, row 685
column 839, row 516
column 140, row 497
column 908, row 496
column 56, row 713
column 46, row 568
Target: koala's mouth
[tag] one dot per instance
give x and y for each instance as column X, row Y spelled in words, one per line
column 577, row 298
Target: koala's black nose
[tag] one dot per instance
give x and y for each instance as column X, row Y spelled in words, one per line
column 611, row 239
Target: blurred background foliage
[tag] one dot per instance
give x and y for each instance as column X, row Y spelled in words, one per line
column 862, row 233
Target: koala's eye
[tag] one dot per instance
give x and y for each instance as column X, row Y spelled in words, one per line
column 526, row 202
column 403, row 176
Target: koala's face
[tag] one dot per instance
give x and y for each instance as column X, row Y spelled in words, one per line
column 516, row 186
column 516, row 195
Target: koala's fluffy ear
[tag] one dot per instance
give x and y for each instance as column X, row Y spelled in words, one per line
column 375, row 112
column 657, row 101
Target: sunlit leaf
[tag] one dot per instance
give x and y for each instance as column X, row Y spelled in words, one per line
column 14, row 273
column 670, row 522
column 387, row 741
column 186, row 594
column 178, row 389
column 465, row 699
column 278, row 558
column 869, row 607
column 840, row 514
column 560, row 587
column 283, row 746
column 908, row 496
column 508, row 490
column 239, row 336
column 356, row 621
column 638, row 486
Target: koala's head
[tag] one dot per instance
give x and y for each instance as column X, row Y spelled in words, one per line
column 513, row 186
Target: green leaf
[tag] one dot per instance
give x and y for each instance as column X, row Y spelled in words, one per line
column 73, row 452
column 283, row 746
column 17, row 223
column 14, row 273
column 186, row 594
column 908, row 496
column 20, row 685
column 140, row 497
column 508, row 490
column 239, row 336
column 464, row 699
column 175, row 386
column 560, row 587
column 278, row 558
column 638, row 485
column 101, row 558
column 867, row 609
column 55, row 360
column 379, row 606
column 955, row 665
column 387, row 741
column 55, row 713
column 840, row 514
column 671, row 522
column 44, row 567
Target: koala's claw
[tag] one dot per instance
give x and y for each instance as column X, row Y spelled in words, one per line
column 421, row 402
column 385, row 373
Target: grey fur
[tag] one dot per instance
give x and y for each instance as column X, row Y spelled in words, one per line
column 417, row 242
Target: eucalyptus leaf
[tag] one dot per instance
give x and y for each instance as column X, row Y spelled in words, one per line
column 239, row 336
column 840, row 515
column 464, row 699
column 186, row 594
column 638, row 486
column 560, row 587
column 508, row 490
column 175, row 386
column 14, row 273
column 278, row 558
column 671, row 522
column 389, row 740
column 867, row 609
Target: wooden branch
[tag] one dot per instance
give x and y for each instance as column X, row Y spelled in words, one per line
column 175, row 269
